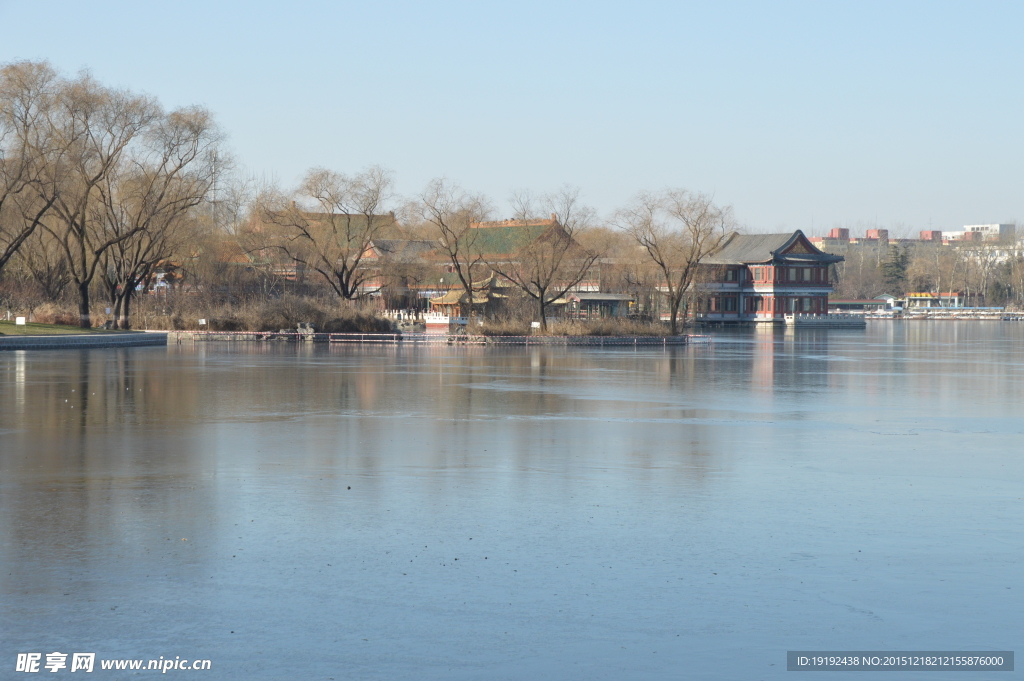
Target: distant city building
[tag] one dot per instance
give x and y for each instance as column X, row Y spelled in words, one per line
column 839, row 238
column 998, row 232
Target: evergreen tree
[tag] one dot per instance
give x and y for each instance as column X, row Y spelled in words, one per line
column 894, row 271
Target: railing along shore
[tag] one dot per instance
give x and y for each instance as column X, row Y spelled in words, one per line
column 177, row 337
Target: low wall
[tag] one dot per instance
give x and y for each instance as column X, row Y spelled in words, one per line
column 83, row 341
column 827, row 320
column 178, row 337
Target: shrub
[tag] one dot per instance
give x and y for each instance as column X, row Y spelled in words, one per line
column 229, row 323
column 357, row 323
column 53, row 313
column 504, row 328
column 606, row 327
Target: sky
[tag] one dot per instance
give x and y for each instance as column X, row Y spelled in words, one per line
column 800, row 115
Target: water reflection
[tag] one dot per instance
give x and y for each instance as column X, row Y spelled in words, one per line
column 315, row 498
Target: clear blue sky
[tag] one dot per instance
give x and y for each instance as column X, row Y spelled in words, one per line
column 900, row 113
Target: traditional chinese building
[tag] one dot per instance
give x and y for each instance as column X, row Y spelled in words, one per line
column 765, row 277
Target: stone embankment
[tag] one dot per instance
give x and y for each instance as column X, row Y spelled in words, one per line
column 83, row 341
column 178, row 337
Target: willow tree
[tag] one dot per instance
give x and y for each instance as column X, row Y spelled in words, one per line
column 27, row 97
column 41, row 258
column 93, row 127
column 151, row 199
column 676, row 229
column 547, row 266
column 328, row 225
column 452, row 214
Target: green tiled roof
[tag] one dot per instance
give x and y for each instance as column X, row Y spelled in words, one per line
column 506, row 239
column 451, row 280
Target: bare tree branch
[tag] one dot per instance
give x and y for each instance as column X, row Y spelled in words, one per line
column 676, row 229
column 329, row 225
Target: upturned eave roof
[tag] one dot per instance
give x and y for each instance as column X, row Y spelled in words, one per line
column 755, row 249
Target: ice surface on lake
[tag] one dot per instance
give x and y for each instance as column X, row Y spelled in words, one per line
column 545, row 513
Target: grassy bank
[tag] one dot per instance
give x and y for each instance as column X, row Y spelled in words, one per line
column 285, row 312
column 34, row 329
column 182, row 313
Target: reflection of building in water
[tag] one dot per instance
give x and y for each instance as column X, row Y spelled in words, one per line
column 790, row 357
column 19, row 381
column 762, row 375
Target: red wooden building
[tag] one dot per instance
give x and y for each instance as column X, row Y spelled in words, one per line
column 764, row 277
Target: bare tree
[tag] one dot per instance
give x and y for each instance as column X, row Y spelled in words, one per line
column 452, row 213
column 150, row 200
column 986, row 259
column 523, row 204
column 549, row 266
column 41, row 257
column 27, row 93
column 933, row 266
column 676, row 229
column 329, row 225
column 1016, row 278
column 94, row 127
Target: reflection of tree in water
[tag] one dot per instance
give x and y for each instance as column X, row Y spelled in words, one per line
column 102, row 454
column 154, row 442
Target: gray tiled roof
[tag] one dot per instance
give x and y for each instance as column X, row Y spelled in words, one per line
column 763, row 248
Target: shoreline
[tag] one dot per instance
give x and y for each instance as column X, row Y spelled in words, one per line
column 177, row 337
column 130, row 339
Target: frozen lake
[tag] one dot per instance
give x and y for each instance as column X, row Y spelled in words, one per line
column 296, row 512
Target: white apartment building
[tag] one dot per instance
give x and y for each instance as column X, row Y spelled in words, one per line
column 998, row 232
